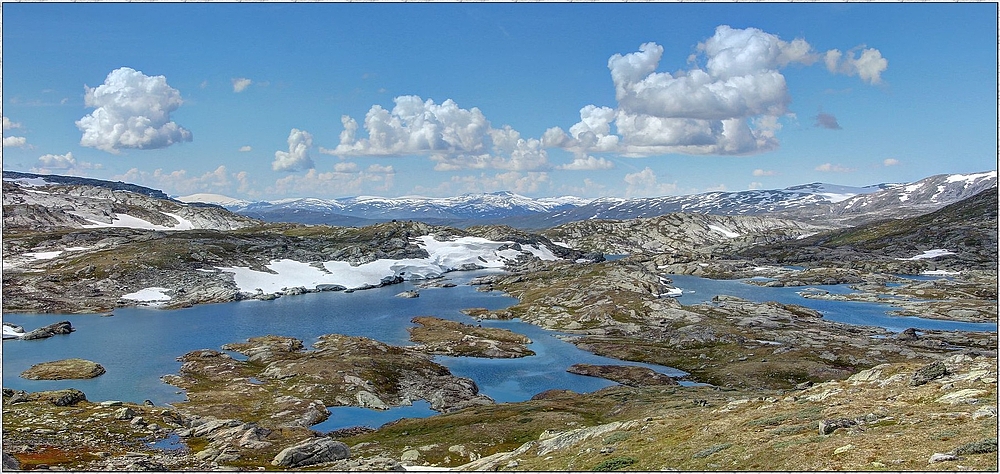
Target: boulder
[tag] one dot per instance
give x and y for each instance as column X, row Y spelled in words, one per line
column 64, row 369
column 927, row 373
column 59, row 398
column 408, row 294
column 311, row 452
column 630, row 375
column 62, row 327
column 829, row 426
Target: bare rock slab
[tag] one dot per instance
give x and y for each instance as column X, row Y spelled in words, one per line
column 64, row 369
column 311, row 452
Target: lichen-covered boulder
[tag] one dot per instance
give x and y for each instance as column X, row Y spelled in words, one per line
column 311, row 452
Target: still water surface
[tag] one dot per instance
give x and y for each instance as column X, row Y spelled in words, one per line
column 138, row 345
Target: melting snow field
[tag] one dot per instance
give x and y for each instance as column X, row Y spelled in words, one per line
column 930, row 254
column 151, row 294
column 125, row 220
column 444, row 256
column 724, row 231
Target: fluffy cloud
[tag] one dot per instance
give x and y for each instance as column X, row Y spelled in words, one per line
column 8, row 124
column 760, row 172
column 869, row 66
column 890, row 162
column 297, row 156
column 180, row 182
column 453, row 137
column 730, row 106
column 13, row 141
column 645, row 183
column 48, row 164
column 832, row 168
column 240, row 84
column 246, row 148
column 132, row 110
column 827, row 121
column 515, row 181
column 335, row 183
column 583, row 162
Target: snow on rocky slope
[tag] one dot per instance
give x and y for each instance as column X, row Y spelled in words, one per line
column 44, row 202
column 813, row 202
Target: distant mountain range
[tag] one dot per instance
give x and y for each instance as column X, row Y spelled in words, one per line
column 831, row 204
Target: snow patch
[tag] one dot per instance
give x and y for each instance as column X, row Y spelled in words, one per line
column 444, row 256
column 125, row 220
column 150, row 294
column 724, row 231
column 44, row 255
column 971, row 178
column 29, row 181
column 10, row 332
column 939, row 272
column 929, row 254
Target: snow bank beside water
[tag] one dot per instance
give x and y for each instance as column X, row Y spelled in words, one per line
column 444, row 256
column 151, row 294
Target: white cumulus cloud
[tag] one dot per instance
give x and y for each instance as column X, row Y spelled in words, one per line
column 453, row 137
column 645, row 183
column 132, row 110
column 890, row 162
column 246, row 148
column 15, row 142
column 832, row 168
column 583, row 162
column 8, row 124
column 730, row 105
column 869, row 65
column 48, row 164
column 297, row 157
column 240, row 84
column 761, row 172
column 181, row 182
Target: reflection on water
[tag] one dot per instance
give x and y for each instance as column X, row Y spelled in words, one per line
column 349, row 417
column 850, row 312
column 138, row 345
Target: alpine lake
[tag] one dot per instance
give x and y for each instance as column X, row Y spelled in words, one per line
column 139, row 345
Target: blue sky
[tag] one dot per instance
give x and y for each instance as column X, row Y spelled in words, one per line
column 267, row 101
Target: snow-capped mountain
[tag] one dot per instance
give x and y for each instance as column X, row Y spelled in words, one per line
column 354, row 210
column 40, row 202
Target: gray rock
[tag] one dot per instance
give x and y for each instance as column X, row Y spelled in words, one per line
column 927, row 373
column 311, row 452
column 62, row 327
column 829, row 426
column 10, row 463
column 408, row 294
column 126, row 413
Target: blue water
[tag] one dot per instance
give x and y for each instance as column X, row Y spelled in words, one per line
column 138, row 345
column 349, row 417
column 851, row 312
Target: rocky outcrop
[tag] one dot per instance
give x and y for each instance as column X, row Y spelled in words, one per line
column 64, row 369
column 443, row 337
column 630, row 375
column 62, row 327
column 312, row 452
column 687, row 236
column 282, row 385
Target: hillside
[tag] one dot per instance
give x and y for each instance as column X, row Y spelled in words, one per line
column 967, row 230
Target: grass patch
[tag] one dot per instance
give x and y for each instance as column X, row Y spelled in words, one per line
column 615, row 464
column 977, row 447
column 704, row 453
